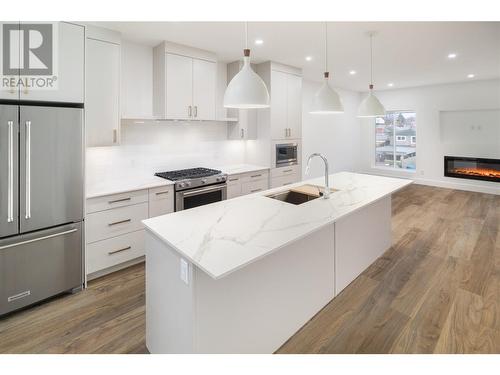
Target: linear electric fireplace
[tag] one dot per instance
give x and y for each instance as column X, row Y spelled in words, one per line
column 472, row 168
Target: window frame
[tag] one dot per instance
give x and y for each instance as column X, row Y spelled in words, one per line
column 393, row 168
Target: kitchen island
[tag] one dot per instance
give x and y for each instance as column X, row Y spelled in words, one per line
column 243, row 275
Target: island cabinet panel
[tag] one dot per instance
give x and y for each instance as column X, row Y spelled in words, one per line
column 254, row 309
column 360, row 238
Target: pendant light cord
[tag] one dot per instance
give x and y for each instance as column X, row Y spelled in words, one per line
column 326, row 46
column 246, row 35
column 371, row 59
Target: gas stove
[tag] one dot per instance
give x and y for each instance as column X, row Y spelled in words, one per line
column 193, row 177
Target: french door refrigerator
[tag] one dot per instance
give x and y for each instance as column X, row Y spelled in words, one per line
column 41, row 202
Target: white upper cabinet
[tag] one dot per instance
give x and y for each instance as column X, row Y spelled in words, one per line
column 102, row 102
column 179, row 87
column 294, row 105
column 69, row 67
column 284, row 117
column 185, row 83
column 204, row 87
column 279, row 124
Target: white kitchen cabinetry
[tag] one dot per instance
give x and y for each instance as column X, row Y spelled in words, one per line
column 285, row 176
column 68, row 67
column 247, row 183
column 114, row 230
column 185, row 83
column 102, row 102
column 161, row 201
column 285, row 114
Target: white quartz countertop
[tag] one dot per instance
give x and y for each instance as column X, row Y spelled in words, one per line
column 130, row 179
column 222, row 237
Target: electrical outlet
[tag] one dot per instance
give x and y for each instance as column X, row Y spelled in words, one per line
column 422, row 172
column 184, row 271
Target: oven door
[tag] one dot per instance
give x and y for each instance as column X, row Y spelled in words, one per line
column 286, row 154
column 200, row 196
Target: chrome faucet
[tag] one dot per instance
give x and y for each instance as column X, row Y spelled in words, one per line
column 326, row 194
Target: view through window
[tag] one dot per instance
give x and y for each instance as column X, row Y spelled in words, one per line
column 396, row 140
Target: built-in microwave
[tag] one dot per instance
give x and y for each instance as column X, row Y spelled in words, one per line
column 286, row 154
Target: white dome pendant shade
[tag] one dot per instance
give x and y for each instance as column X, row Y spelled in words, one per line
column 326, row 100
column 246, row 89
column 371, row 106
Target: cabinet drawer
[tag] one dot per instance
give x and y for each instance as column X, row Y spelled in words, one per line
column 254, row 176
column 161, row 201
column 285, row 171
column 233, row 189
column 254, row 186
column 284, row 180
column 107, row 253
column 161, row 193
column 111, row 223
column 116, row 200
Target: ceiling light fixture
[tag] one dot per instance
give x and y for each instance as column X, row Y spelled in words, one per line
column 390, row 84
column 326, row 100
column 371, row 106
column 471, row 75
column 308, row 58
column 352, row 72
column 246, row 90
column 452, row 55
column 259, row 42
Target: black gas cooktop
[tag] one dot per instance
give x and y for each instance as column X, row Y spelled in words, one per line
column 191, row 173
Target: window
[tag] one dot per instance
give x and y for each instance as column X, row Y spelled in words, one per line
column 396, row 140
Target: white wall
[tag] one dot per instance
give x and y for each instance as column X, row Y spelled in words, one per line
column 336, row 136
column 435, row 106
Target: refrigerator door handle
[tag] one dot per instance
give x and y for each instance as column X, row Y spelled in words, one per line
column 39, row 239
column 10, row 173
column 28, row 169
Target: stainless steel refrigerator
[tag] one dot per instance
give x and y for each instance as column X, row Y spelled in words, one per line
column 41, row 203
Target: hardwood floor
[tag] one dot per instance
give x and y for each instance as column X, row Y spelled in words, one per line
column 436, row 290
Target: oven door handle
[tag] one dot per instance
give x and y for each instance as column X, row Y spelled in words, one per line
column 204, row 190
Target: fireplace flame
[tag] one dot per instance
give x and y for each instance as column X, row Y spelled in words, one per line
column 484, row 172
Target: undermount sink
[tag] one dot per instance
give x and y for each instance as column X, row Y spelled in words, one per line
column 300, row 194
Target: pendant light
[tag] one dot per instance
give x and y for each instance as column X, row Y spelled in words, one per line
column 246, row 90
column 326, row 100
column 371, row 106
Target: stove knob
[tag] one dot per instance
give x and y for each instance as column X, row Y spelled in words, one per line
column 218, row 179
column 182, row 184
column 204, row 181
column 188, row 183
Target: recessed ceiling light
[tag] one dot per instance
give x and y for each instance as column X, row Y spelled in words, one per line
column 471, row 75
column 259, row 42
column 352, row 72
column 390, row 84
column 309, row 58
column 452, row 55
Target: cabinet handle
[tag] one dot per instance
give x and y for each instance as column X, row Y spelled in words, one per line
column 233, row 179
column 289, row 132
column 287, row 183
column 162, row 192
column 195, row 111
column 28, row 170
column 115, row 136
column 10, row 173
column 119, row 250
column 120, row 200
column 190, row 111
column 242, row 131
column 288, row 170
column 255, row 175
column 120, row 222
column 255, row 190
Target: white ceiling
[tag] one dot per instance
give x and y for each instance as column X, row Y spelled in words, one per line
column 405, row 53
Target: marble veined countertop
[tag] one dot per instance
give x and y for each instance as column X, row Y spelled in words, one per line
column 121, row 180
column 222, row 237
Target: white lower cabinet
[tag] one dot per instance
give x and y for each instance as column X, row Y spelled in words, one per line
column 285, row 176
column 114, row 230
column 247, row 183
column 115, row 250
